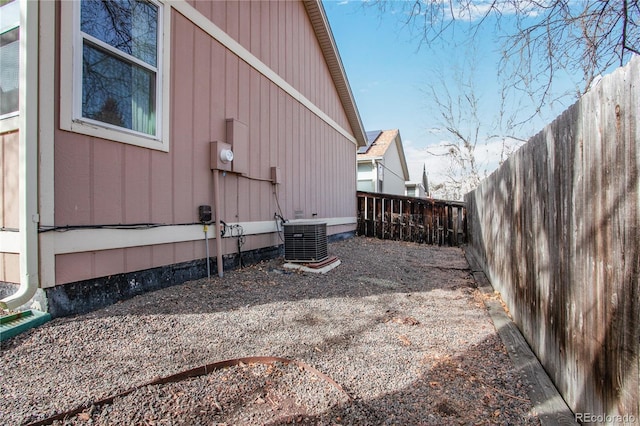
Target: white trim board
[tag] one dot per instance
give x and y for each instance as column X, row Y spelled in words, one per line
column 84, row 240
column 9, row 242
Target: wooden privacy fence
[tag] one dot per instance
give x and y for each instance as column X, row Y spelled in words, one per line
column 557, row 231
column 421, row 220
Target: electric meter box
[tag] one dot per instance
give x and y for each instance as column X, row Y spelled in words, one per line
column 218, row 161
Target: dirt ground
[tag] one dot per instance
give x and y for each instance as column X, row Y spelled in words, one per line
column 397, row 334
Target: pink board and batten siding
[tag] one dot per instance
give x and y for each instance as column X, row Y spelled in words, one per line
column 104, row 182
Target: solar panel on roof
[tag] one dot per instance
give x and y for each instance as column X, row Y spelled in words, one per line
column 371, row 137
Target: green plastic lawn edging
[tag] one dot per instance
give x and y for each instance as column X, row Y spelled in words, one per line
column 13, row 324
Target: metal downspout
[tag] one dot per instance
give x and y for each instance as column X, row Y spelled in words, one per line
column 28, row 158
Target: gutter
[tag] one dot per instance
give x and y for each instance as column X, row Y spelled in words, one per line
column 28, row 158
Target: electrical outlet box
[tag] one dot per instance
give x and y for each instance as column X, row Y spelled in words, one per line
column 217, row 162
column 204, row 214
column 276, row 177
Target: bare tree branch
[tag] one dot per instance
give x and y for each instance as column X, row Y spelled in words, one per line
column 588, row 36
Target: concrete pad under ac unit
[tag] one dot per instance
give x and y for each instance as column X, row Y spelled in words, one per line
column 317, row 270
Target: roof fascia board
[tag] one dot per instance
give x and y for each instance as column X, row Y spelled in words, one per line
column 403, row 159
column 321, row 27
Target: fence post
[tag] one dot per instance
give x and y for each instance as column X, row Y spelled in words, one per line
column 414, row 219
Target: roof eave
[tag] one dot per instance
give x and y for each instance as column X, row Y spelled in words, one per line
column 403, row 159
column 321, row 27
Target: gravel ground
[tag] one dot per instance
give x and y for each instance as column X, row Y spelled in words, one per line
column 399, row 327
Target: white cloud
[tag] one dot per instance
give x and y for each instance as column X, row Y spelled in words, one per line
column 418, row 157
column 438, row 164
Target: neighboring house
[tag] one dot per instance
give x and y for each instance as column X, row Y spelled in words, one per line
column 382, row 166
column 419, row 189
column 108, row 154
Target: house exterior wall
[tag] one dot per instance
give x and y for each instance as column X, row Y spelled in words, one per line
column 9, row 219
column 382, row 168
column 9, row 180
column 367, row 177
column 278, row 34
column 415, row 190
column 99, row 182
column 393, row 180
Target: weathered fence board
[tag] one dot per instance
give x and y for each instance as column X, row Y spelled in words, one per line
column 420, row 220
column 557, row 230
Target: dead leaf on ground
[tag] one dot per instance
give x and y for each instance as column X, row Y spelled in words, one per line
column 405, row 340
column 406, row 321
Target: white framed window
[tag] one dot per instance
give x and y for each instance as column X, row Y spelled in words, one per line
column 9, row 59
column 115, row 71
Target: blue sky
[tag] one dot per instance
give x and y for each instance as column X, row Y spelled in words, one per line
column 390, row 73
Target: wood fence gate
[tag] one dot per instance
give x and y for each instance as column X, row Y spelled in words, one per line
column 420, row 220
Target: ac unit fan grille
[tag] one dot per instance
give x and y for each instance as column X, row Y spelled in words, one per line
column 305, row 242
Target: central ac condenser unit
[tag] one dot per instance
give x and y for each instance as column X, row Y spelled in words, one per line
column 305, row 241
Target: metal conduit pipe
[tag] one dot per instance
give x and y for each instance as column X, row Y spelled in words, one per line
column 206, row 242
column 218, row 212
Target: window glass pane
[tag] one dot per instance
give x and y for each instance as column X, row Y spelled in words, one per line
column 117, row 92
column 128, row 25
column 9, row 71
column 364, row 167
column 10, row 16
